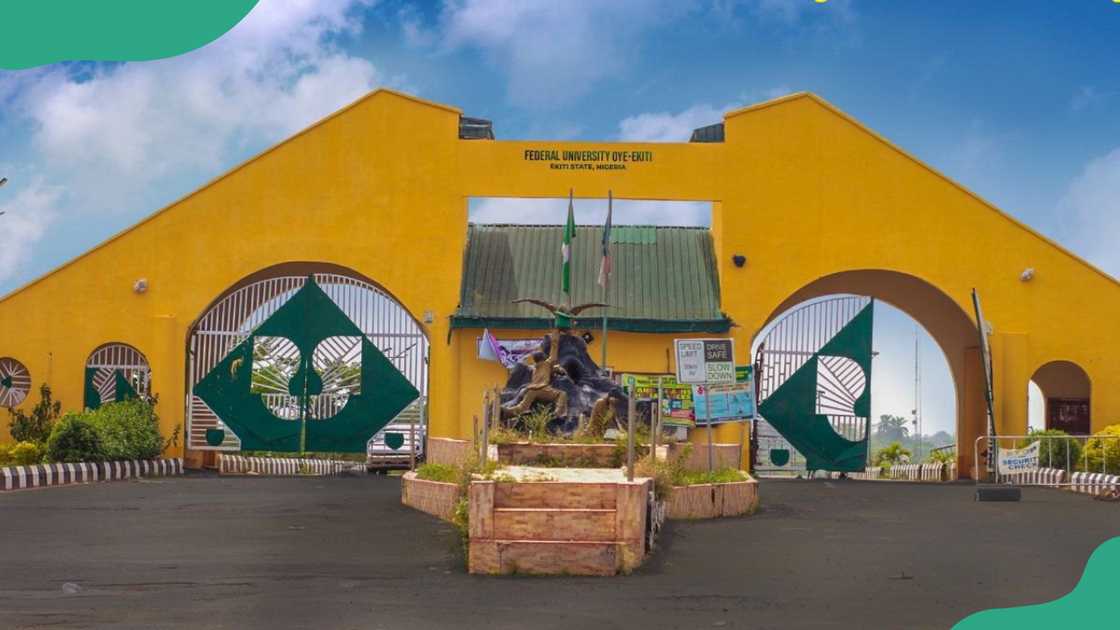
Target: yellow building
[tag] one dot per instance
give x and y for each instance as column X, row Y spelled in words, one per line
column 374, row 198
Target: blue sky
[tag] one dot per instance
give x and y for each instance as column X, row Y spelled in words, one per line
column 1016, row 100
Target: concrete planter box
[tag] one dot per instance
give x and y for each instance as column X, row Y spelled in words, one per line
column 713, row 500
column 568, row 455
column 726, row 455
column 437, row 498
column 557, row 528
column 40, row 475
column 448, row 451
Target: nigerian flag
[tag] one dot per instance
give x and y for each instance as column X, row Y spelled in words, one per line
column 566, row 250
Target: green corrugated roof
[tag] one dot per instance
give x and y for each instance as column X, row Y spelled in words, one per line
column 664, row 277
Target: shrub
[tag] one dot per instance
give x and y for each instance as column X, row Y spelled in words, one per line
column 5, row 454
column 1053, row 452
column 890, row 455
column 36, row 426
column 27, row 453
column 1104, row 454
column 75, row 439
column 445, row 473
column 128, row 430
column 942, row 457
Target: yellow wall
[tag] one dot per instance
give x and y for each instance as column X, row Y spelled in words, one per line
column 382, row 187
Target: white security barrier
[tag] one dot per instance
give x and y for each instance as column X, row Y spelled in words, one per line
column 1094, row 483
column 933, row 472
column 1038, row 477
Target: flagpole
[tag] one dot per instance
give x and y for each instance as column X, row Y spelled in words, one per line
column 571, row 285
column 606, row 278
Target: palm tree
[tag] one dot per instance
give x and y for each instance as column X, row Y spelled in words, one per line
column 892, row 428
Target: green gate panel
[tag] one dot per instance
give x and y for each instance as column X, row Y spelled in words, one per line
column 791, row 409
column 309, row 317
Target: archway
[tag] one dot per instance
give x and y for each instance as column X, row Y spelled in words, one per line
column 323, row 347
column 942, row 318
column 1065, row 391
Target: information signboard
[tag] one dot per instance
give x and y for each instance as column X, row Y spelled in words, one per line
column 676, row 398
column 729, row 403
column 705, row 361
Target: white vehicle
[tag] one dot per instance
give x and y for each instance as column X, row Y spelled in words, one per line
column 392, row 446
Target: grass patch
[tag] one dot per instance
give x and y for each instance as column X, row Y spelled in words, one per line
column 445, row 473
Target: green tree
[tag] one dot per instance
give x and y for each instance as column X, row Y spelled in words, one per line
column 892, row 428
column 36, row 426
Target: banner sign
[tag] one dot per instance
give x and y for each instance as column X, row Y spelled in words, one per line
column 676, row 398
column 705, row 361
column 1018, row 460
column 728, row 403
column 508, row 352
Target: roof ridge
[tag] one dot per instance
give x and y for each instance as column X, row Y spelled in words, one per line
column 591, row 225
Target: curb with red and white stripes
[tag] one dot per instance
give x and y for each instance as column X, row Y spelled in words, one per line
column 281, row 466
column 41, row 475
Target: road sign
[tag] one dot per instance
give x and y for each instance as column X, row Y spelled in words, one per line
column 707, row 361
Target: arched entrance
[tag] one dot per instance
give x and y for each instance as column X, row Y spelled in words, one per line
column 947, row 324
column 302, row 356
column 1066, row 393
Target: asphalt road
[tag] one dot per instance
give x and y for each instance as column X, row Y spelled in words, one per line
column 209, row 552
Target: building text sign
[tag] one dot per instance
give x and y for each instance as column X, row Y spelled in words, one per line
column 710, row 361
column 587, row 159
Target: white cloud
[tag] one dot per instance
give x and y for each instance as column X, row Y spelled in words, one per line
column 589, row 212
column 1091, row 209
column 554, row 52
column 1085, row 97
column 26, row 217
column 128, row 137
column 668, row 127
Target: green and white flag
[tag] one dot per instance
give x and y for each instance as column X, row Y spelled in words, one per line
column 566, row 250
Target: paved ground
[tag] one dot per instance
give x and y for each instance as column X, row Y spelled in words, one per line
column 201, row 552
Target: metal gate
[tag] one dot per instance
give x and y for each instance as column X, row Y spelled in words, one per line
column 290, row 363
column 116, row 372
column 814, row 389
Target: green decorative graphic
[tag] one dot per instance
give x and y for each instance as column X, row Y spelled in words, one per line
column 215, row 437
column 38, row 32
column 779, row 456
column 394, row 440
column 306, row 320
column 122, row 389
column 791, row 409
column 1090, row 604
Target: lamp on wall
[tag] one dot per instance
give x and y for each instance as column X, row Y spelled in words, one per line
column 140, row 286
column 1027, row 275
column 739, row 260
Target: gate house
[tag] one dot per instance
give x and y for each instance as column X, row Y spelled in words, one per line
column 372, row 201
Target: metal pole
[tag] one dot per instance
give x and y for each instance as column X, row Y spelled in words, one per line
column 474, row 433
column 488, row 415
column 655, row 421
column 708, row 417
column 606, row 283
column 631, row 411
column 412, row 442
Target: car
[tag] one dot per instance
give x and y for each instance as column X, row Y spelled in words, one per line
column 392, row 446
